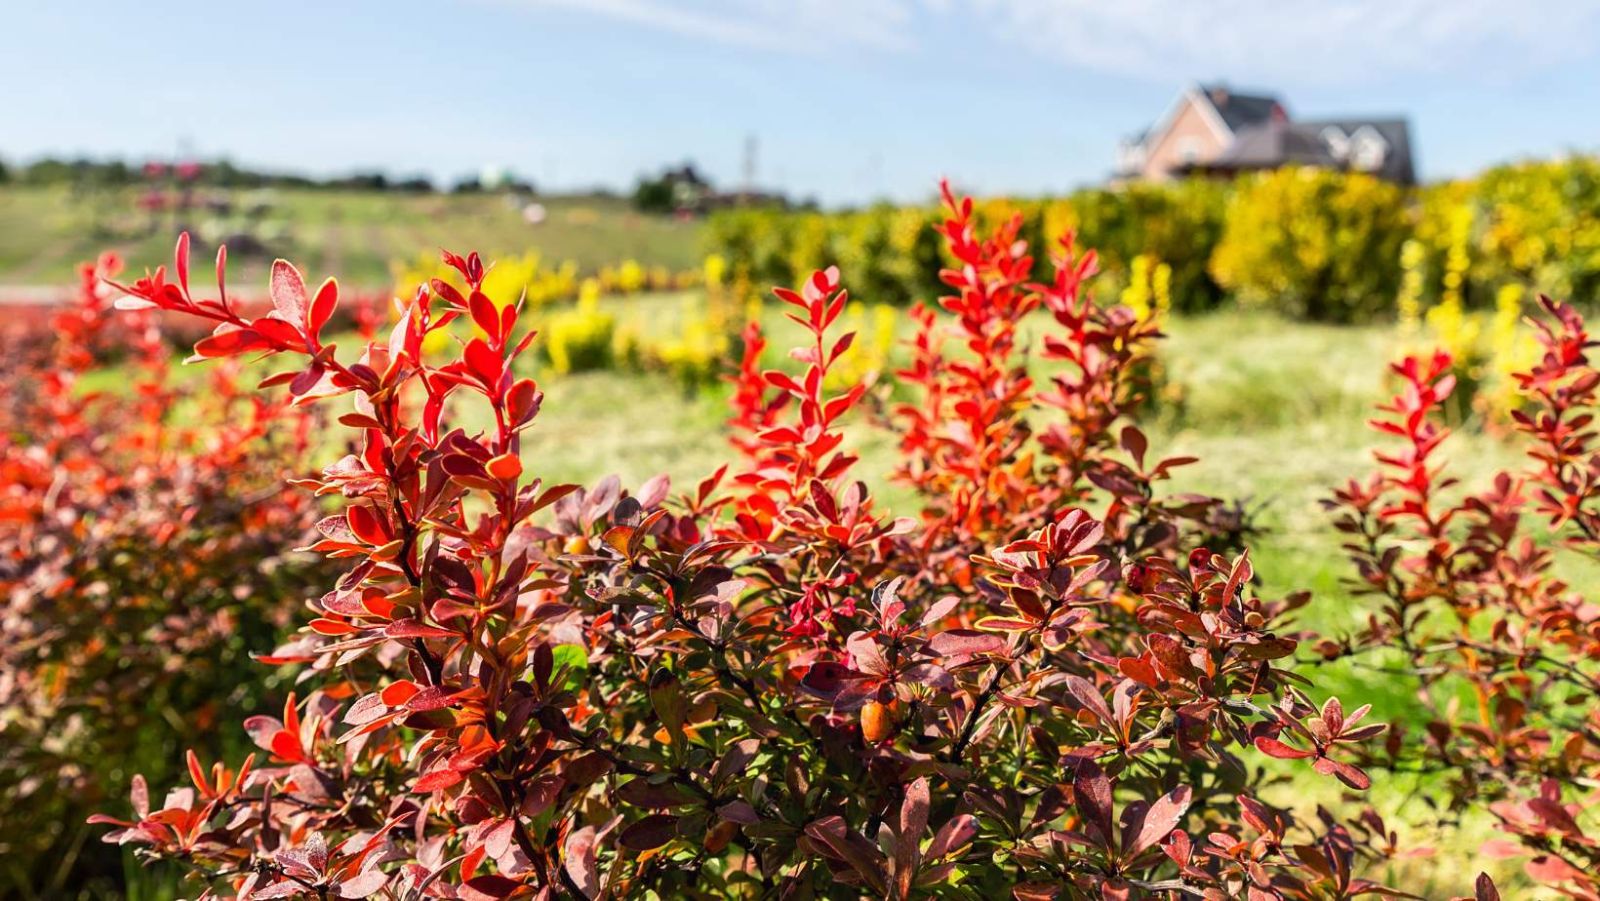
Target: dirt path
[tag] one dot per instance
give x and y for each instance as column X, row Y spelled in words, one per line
column 33, row 295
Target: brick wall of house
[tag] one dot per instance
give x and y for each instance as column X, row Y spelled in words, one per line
column 1190, row 139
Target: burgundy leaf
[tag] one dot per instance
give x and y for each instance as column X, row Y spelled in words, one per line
column 1274, row 748
column 649, row 833
column 1158, row 822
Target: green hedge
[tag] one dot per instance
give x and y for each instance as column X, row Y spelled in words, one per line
column 1312, row 243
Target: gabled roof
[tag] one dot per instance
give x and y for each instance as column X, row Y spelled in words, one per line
column 1238, row 110
column 1225, row 110
column 1273, row 144
column 1398, row 164
column 1278, row 143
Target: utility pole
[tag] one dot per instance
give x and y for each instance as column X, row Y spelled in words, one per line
column 751, row 148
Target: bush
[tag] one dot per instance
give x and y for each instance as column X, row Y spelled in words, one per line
column 1473, row 607
column 1320, row 244
column 1178, row 225
column 755, row 242
column 1314, row 244
column 145, row 555
column 768, row 685
column 695, row 352
column 1534, row 225
column 894, row 255
column 529, row 275
column 580, row 339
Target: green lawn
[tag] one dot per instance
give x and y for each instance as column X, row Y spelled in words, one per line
column 45, row 232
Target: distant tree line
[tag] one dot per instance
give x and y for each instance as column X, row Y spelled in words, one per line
column 83, row 172
column 676, row 189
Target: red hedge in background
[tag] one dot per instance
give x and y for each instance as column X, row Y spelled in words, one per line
column 1472, row 607
column 769, row 686
column 143, row 556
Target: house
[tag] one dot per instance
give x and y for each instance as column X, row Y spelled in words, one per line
column 1212, row 129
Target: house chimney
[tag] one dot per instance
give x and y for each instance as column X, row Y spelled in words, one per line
column 1219, row 94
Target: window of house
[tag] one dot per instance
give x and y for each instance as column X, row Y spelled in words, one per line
column 1368, row 150
column 1337, row 142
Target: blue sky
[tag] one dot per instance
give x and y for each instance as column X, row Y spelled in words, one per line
column 849, row 99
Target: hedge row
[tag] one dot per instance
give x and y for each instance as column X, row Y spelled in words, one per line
column 1314, row 243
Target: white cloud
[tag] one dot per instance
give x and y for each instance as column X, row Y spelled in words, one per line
column 1283, row 42
column 792, row 25
column 1300, row 41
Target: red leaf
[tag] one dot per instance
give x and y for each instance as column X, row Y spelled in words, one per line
column 278, row 332
column 367, row 525
column 197, row 773
column 287, row 746
column 1159, row 820
column 366, row 710
column 230, row 343
column 410, row 628
column 953, row 836
column 288, row 291
column 261, row 729
column 180, row 261
column 779, row 379
column 961, row 642
column 908, row 842
column 1547, row 869
column 506, row 466
column 488, row 887
column 1091, row 791
column 1089, row 697
column 484, row 362
column 398, row 693
column 1274, row 748
column 323, row 305
column 827, row 677
column 436, row 780
column 434, row 697
column 324, row 626
column 362, row 886
column 485, row 316
column 579, row 860
column 862, row 856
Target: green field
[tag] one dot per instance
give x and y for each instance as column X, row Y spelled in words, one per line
column 45, row 232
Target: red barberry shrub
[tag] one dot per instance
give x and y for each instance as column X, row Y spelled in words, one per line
column 1474, row 610
column 1045, row 685
column 967, row 436
column 145, row 552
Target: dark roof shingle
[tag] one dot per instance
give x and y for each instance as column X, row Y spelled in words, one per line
column 1240, row 110
column 1278, row 143
column 1399, row 165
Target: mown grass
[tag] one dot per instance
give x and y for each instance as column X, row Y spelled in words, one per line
column 45, row 232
